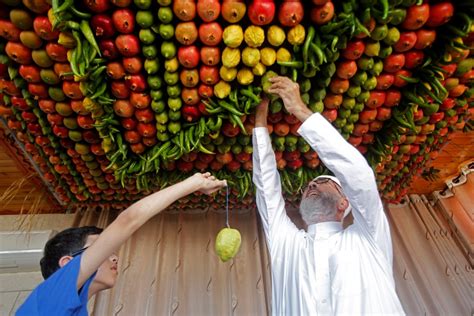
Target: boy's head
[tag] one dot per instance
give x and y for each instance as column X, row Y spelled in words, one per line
column 65, row 243
column 70, row 243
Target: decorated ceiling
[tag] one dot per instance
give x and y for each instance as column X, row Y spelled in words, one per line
column 112, row 99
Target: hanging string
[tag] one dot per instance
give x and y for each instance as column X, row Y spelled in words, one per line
column 227, row 206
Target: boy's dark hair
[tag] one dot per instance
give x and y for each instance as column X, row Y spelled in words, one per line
column 64, row 244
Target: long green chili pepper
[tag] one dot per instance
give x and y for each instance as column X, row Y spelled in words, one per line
column 79, row 14
column 63, row 7
column 384, row 4
column 291, row 64
column 250, row 94
column 230, row 108
column 72, row 25
column 294, row 74
column 87, row 31
column 237, row 120
column 55, row 5
column 309, row 39
column 319, row 53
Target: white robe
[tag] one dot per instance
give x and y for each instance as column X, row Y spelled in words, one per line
column 327, row 270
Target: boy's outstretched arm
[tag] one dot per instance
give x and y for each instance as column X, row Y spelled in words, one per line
column 110, row 240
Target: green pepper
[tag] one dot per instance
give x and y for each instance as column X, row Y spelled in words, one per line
column 87, row 32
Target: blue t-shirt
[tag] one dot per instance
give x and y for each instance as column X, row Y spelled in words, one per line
column 58, row 295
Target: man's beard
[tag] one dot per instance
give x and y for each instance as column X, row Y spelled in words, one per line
column 314, row 209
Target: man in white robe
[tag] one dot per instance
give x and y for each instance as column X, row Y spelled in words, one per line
column 327, row 270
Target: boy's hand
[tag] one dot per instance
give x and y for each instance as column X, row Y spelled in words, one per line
column 261, row 113
column 289, row 92
column 207, row 183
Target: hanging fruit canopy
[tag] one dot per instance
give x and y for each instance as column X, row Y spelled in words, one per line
column 115, row 98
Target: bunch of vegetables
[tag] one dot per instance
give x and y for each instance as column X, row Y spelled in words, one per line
column 114, row 98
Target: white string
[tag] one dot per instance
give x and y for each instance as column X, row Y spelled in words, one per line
column 227, row 206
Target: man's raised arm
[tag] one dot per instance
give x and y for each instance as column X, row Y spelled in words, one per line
column 345, row 161
column 270, row 203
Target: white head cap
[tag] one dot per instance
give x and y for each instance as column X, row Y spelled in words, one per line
column 349, row 208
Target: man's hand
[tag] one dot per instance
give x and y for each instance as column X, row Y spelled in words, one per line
column 207, row 183
column 289, row 92
column 262, row 113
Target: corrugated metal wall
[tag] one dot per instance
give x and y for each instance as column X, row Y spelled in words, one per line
column 169, row 266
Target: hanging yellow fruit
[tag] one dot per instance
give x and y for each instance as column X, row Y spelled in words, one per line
column 228, row 242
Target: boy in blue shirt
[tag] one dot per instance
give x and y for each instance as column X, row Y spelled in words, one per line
column 79, row 262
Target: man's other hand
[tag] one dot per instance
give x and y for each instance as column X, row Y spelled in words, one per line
column 289, row 92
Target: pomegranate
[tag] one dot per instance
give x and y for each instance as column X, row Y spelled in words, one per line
column 115, row 70
column 330, row 114
column 132, row 65
column 21, row 104
column 18, row 53
column 376, row 99
column 129, row 123
column 205, row 91
column 208, row 10
column 383, row 114
column 233, row 10
column 354, row 50
column 44, row 29
column 136, row 83
column 185, row 10
column 210, row 55
column 121, row 3
column 400, row 82
column 56, row 52
column 416, row 17
column 360, row 129
column 392, row 97
column 97, row 6
column 384, row 81
column 144, row 115
column 440, row 13
column 146, row 129
column 9, row 31
column 140, row 100
column 186, row 32
column 123, row 108
column 424, row 38
column 189, row 77
column 37, row 6
column 413, row 58
column 406, row 42
column 132, row 137
column 119, row 89
column 261, row 12
column 339, row 86
column 128, row 45
column 72, row 90
column 30, row 73
column 102, row 26
column 124, row 20
column 210, row 34
column 367, row 115
column 290, row 12
column 322, row 14
column 394, row 63
column 108, row 49
column 190, row 96
column 346, row 69
column 188, row 56
column 209, row 75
